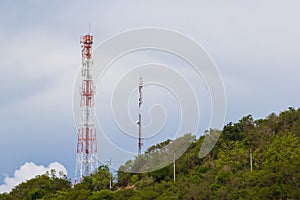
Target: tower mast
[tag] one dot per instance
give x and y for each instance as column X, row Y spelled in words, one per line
column 86, row 158
column 140, row 115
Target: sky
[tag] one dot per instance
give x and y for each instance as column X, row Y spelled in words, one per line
column 254, row 44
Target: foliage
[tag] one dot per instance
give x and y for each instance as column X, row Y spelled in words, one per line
column 223, row 174
column 39, row 187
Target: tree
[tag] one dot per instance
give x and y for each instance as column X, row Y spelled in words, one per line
column 97, row 181
column 101, row 178
column 39, row 187
column 103, row 194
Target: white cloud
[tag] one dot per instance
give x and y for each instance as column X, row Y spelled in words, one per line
column 28, row 171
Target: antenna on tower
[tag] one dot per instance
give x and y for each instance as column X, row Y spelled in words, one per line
column 139, row 122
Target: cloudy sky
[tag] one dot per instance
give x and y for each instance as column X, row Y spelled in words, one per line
column 255, row 45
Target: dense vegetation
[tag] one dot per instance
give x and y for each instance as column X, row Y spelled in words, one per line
column 223, row 174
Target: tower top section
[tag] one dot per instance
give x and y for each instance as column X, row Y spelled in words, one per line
column 86, row 42
column 140, row 80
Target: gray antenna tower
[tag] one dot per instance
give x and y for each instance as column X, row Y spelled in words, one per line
column 139, row 122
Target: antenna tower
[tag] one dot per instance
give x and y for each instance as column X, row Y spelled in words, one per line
column 87, row 157
column 139, row 122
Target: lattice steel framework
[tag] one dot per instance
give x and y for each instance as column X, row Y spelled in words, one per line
column 86, row 155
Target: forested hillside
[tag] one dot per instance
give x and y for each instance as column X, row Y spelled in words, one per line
column 224, row 173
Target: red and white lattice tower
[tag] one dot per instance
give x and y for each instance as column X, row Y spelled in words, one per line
column 87, row 157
